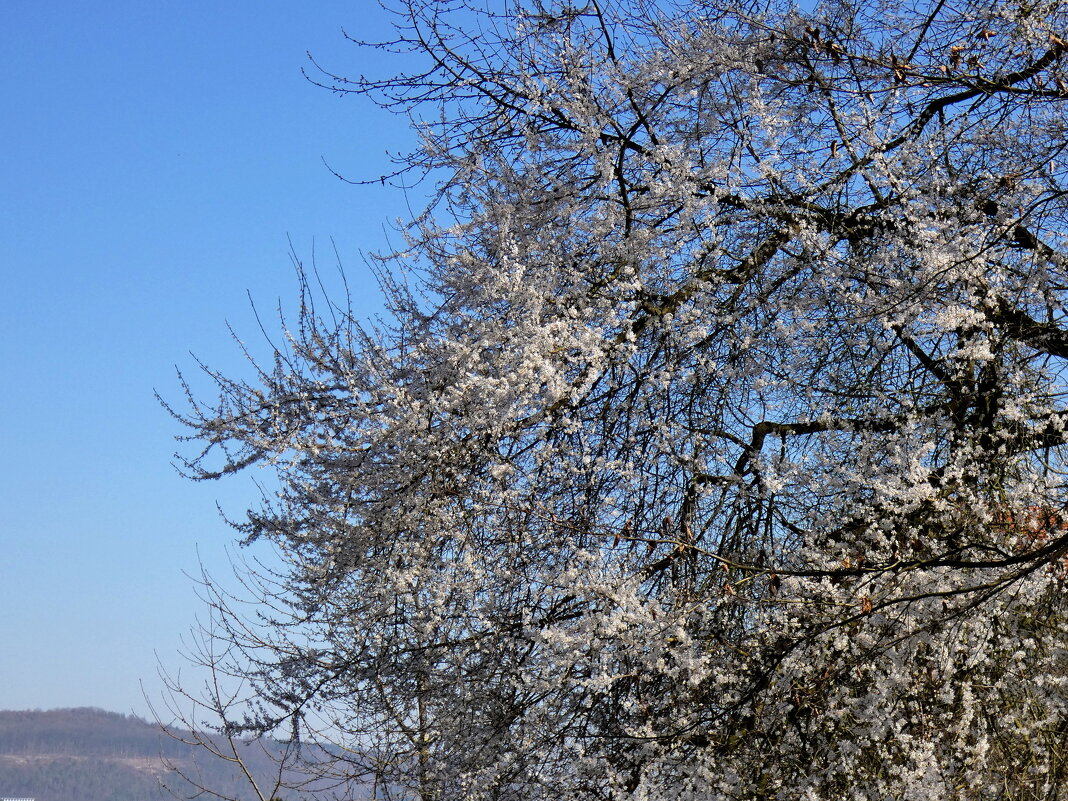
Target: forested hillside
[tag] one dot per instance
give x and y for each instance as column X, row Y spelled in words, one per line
column 93, row 755
column 81, row 732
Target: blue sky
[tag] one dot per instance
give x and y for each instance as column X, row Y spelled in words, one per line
column 157, row 159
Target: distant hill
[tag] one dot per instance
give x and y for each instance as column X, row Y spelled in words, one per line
column 93, row 755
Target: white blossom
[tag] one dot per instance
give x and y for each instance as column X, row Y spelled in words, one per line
column 714, row 449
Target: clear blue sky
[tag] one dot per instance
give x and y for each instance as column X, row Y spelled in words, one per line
column 156, row 160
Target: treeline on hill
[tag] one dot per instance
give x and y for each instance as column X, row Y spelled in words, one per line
column 93, row 755
column 82, row 732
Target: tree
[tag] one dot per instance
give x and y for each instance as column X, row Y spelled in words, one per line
column 715, row 446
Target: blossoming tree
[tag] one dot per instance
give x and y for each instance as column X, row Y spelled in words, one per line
column 715, row 447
